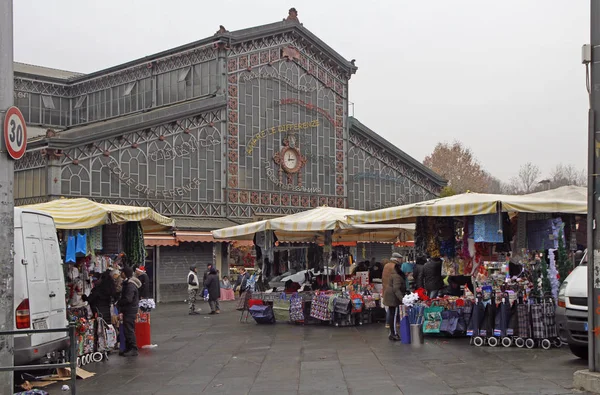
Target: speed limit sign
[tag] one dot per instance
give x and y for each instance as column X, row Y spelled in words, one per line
column 15, row 133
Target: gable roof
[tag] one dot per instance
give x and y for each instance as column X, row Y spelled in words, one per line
column 227, row 38
column 357, row 126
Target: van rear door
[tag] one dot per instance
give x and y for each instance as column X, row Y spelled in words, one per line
column 37, row 281
column 56, row 281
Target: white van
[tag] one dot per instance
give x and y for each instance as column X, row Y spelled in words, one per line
column 572, row 310
column 39, row 284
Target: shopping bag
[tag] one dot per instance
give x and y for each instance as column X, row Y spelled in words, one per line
column 449, row 321
column 369, row 302
column 357, row 303
column 296, row 308
column 111, row 336
column 281, row 309
column 70, row 251
column 432, row 319
column 405, row 330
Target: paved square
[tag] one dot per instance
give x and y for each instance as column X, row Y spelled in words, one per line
column 219, row 355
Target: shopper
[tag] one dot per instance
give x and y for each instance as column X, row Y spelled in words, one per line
column 128, row 309
column 242, row 281
column 214, row 291
column 385, row 278
column 193, row 288
column 101, row 297
column 392, row 297
column 141, row 275
column 418, row 272
column 432, row 277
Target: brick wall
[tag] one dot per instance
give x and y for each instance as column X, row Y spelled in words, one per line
column 174, row 267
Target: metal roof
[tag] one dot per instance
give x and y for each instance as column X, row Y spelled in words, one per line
column 24, row 68
column 359, row 127
column 191, row 223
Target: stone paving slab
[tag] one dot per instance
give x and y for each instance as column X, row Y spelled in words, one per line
column 219, row 355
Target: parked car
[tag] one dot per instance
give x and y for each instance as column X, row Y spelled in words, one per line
column 39, row 288
column 572, row 310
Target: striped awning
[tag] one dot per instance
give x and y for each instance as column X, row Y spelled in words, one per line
column 83, row 213
column 466, row 204
column 316, row 220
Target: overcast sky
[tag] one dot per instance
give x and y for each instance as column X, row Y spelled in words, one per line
column 503, row 77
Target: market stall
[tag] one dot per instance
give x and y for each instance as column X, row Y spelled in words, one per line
column 96, row 241
column 500, row 257
column 333, row 277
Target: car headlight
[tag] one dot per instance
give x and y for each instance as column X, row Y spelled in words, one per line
column 562, row 299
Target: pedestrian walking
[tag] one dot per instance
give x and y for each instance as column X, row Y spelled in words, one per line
column 193, row 288
column 128, row 309
column 392, row 297
column 241, row 284
column 214, row 291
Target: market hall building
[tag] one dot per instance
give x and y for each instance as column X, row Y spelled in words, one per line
column 229, row 129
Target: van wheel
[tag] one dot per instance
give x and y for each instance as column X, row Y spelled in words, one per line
column 579, row 351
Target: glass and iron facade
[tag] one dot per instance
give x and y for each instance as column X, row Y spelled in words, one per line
column 205, row 131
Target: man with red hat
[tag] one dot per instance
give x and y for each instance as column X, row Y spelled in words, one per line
column 141, row 275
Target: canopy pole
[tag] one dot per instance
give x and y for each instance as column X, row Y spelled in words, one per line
column 328, row 236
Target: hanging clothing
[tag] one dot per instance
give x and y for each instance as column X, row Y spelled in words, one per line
column 485, row 229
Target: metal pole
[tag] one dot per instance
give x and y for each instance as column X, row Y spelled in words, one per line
column 6, row 199
column 73, row 357
column 594, row 192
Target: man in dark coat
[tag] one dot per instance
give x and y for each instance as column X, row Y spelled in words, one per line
column 128, row 307
column 214, row 291
column 418, row 272
column 141, row 275
column 432, row 277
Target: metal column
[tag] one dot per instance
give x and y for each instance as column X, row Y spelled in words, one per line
column 594, row 193
column 6, row 199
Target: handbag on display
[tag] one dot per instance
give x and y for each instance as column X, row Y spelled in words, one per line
column 432, row 319
column 342, row 306
column 369, row 302
column 81, row 245
column 281, row 308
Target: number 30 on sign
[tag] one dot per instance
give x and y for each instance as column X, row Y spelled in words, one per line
column 15, row 133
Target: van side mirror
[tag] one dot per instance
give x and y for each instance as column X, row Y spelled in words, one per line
column 24, row 262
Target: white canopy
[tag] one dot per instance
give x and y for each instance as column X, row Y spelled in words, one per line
column 569, row 200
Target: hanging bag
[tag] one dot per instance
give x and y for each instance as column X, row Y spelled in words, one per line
column 81, row 245
column 70, row 252
column 342, row 306
column 432, row 319
column 449, row 321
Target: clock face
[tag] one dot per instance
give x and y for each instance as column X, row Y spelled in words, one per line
column 290, row 159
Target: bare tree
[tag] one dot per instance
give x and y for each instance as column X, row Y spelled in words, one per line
column 563, row 175
column 528, row 177
column 457, row 164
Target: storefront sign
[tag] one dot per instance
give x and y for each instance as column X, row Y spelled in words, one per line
column 289, row 187
column 280, row 78
column 180, row 150
column 278, row 129
column 144, row 189
column 310, row 107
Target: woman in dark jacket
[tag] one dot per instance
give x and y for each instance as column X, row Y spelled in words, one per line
column 214, row 290
column 432, row 277
column 102, row 296
column 392, row 297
